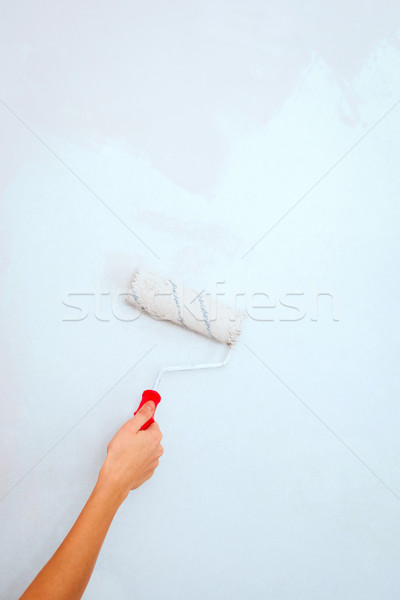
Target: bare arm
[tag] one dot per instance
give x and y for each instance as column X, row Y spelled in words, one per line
column 132, row 457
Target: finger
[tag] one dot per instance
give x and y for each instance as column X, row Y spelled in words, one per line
column 154, row 427
column 143, row 415
column 155, row 431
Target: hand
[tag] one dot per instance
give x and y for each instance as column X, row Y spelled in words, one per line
column 132, row 455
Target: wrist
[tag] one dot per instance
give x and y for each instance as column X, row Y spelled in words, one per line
column 108, row 487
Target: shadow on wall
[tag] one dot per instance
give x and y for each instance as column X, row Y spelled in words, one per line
column 178, row 81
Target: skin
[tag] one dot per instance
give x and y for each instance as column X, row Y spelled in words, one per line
column 132, row 457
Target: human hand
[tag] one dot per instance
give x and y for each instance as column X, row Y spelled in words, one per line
column 132, row 455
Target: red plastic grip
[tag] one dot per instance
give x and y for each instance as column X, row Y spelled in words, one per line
column 146, row 397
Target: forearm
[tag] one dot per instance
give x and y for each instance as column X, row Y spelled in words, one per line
column 67, row 573
column 132, row 456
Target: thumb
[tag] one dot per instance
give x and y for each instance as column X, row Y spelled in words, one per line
column 143, row 415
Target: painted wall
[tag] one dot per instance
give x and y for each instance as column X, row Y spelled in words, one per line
column 247, row 149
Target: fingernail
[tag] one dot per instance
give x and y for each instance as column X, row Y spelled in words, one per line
column 151, row 405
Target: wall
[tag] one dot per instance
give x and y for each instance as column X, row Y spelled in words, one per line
column 244, row 149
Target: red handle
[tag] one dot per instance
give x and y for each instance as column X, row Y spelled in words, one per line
column 146, row 397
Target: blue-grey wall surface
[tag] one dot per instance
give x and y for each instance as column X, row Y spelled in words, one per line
column 250, row 150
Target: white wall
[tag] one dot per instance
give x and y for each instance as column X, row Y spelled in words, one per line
column 200, row 126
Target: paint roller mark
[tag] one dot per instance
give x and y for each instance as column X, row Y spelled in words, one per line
column 175, row 295
column 136, row 297
column 205, row 316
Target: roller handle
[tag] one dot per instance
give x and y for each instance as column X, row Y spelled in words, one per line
column 146, row 397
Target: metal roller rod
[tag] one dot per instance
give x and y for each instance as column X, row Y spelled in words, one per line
column 191, row 367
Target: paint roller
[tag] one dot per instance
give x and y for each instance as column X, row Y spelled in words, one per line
column 200, row 312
